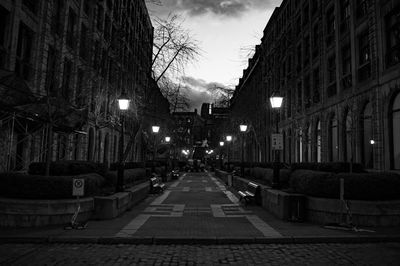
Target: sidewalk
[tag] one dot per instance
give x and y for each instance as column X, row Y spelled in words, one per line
column 198, row 209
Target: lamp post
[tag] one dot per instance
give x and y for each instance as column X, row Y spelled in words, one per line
column 276, row 103
column 123, row 104
column 168, row 140
column 155, row 130
column 221, row 144
column 243, row 129
column 228, row 140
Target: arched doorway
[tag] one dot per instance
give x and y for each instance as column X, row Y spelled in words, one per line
column 395, row 132
column 333, row 139
column 106, row 149
column 366, row 137
column 308, row 144
column 348, row 137
column 318, row 141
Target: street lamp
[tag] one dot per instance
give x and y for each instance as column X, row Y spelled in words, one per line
column 276, row 103
column 168, row 140
column 228, row 139
column 243, row 129
column 155, row 130
column 123, row 104
column 221, row 144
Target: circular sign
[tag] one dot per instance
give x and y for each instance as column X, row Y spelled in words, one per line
column 78, row 183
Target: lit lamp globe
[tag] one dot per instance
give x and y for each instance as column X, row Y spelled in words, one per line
column 155, row 129
column 221, row 143
column 123, row 102
column 167, row 139
column 276, row 101
column 243, row 128
column 228, row 138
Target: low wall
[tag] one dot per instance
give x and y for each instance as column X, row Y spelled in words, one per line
column 298, row 207
column 30, row 213
column 112, row 206
column 364, row 213
column 33, row 213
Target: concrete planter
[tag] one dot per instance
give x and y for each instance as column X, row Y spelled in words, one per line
column 364, row 213
column 31, row 213
column 112, row 206
column 34, row 213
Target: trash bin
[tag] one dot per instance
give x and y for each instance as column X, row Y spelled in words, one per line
column 230, row 180
column 297, row 208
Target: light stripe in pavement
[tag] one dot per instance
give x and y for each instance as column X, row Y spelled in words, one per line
column 133, row 226
column 262, row 226
column 159, row 200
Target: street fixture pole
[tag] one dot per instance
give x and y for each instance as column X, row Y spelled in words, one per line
column 276, row 165
column 243, row 129
column 276, row 103
column 121, row 166
column 123, row 104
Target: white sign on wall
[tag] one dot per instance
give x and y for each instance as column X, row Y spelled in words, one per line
column 78, row 187
column 277, row 142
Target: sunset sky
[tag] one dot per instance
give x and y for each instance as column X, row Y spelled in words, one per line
column 222, row 28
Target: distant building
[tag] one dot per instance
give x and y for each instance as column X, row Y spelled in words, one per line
column 83, row 54
column 188, row 131
column 337, row 65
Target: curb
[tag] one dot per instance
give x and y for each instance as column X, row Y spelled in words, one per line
column 198, row 241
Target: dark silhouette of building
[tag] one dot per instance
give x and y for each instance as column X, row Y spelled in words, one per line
column 84, row 54
column 336, row 64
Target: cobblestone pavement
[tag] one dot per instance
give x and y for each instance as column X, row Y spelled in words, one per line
column 257, row 254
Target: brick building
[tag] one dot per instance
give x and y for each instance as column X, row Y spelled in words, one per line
column 337, row 65
column 82, row 54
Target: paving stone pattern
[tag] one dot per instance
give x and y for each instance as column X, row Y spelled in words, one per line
column 272, row 254
column 197, row 205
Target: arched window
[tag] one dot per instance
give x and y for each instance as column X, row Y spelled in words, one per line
column 366, row 136
column 333, row 139
column 318, row 141
column 90, row 145
column 396, row 132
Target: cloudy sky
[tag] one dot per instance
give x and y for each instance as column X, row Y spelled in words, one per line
column 223, row 28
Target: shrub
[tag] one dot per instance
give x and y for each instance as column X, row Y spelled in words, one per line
column 65, row 168
column 334, row 167
column 20, row 185
column 357, row 186
column 128, row 165
column 130, row 176
column 267, row 175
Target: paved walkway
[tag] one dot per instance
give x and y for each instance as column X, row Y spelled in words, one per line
column 199, row 208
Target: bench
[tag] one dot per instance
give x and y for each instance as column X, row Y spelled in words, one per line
column 250, row 193
column 155, row 185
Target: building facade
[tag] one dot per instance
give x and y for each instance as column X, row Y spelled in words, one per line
column 336, row 63
column 84, row 54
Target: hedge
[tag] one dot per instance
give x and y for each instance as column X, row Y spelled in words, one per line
column 357, row 186
column 334, row 167
column 266, row 175
column 67, row 168
column 130, row 176
column 128, row 165
column 20, row 185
